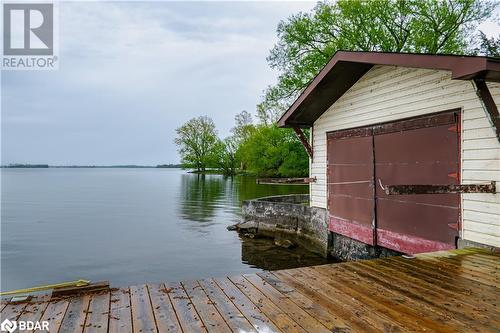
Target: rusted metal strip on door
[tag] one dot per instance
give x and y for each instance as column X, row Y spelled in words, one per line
column 439, row 189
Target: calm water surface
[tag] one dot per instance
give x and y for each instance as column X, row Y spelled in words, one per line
column 130, row 226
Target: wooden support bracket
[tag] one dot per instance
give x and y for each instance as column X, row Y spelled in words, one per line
column 304, row 141
column 489, row 104
column 286, row 181
column 438, row 189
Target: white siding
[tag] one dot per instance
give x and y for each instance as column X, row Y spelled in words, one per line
column 388, row 93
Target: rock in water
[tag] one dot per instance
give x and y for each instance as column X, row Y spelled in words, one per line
column 232, row 227
column 248, row 225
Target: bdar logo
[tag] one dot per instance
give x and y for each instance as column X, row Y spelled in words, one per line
column 8, row 325
column 28, row 29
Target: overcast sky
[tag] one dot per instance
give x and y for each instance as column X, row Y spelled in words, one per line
column 130, row 73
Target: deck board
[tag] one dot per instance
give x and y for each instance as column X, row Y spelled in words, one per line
column 142, row 312
column 188, row 315
column 232, row 316
column 252, row 312
column 163, row 310
column 98, row 314
column 54, row 314
column 209, row 314
column 120, row 318
column 74, row 319
column 446, row 291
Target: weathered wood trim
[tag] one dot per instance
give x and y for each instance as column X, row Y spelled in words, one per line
column 489, row 104
column 299, row 181
column 303, row 139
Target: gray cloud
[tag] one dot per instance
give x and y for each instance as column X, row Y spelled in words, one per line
column 130, row 73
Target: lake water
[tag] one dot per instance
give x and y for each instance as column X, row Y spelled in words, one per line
column 130, row 226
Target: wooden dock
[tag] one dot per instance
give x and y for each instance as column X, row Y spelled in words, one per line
column 453, row 291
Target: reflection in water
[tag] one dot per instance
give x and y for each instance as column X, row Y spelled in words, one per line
column 210, row 199
column 200, row 195
column 262, row 253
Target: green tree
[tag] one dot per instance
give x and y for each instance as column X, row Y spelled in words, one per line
column 196, row 141
column 488, row 46
column 306, row 41
column 274, row 152
column 243, row 126
column 225, row 156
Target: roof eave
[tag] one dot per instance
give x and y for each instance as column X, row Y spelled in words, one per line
column 461, row 67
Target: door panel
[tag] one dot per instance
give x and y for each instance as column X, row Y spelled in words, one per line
column 350, row 186
column 419, row 156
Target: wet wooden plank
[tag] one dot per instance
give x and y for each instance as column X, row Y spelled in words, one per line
column 314, row 308
column 35, row 308
column 470, row 263
column 206, row 309
column 232, row 316
column 12, row 311
column 488, row 260
column 98, row 314
column 434, row 318
column 426, row 293
column 142, row 314
column 463, row 268
column 279, row 317
column 120, row 316
column 488, row 257
column 449, row 280
column 305, row 320
column 3, row 303
column 252, row 312
column 395, row 310
column 358, row 315
column 163, row 310
column 481, row 301
column 54, row 314
column 188, row 316
column 74, row 319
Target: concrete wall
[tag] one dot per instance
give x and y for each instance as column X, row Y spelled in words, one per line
column 290, row 217
column 388, row 93
column 346, row 249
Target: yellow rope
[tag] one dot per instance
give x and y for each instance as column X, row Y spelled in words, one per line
column 77, row 283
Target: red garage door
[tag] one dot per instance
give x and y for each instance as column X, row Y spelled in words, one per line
column 417, row 151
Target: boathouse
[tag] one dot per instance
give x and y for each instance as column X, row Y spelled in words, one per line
column 404, row 149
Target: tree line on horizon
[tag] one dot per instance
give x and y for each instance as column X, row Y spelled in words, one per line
column 306, row 42
column 260, row 149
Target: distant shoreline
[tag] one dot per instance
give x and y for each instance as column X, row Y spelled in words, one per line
column 46, row 166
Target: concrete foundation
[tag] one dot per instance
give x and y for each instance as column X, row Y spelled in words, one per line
column 345, row 248
column 287, row 217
